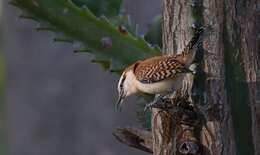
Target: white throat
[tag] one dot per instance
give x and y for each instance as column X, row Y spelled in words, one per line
column 130, row 83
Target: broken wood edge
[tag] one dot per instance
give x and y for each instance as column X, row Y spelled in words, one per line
column 137, row 138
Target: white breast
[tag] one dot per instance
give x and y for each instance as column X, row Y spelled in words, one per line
column 161, row 87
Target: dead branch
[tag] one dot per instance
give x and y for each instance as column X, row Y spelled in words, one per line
column 137, row 138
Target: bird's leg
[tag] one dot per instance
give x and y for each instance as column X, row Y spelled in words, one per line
column 160, row 101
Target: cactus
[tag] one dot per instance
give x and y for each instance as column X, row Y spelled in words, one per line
column 111, row 45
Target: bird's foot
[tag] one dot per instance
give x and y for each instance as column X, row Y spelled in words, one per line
column 160, row 101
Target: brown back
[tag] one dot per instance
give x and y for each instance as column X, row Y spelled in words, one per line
column 158, row 68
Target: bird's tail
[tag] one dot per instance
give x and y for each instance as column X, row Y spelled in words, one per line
column 190, row 49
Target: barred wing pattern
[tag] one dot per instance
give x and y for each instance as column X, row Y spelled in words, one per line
column 158, row 68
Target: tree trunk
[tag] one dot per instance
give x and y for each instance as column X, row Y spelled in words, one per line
column 227, row 65
column 246, row 27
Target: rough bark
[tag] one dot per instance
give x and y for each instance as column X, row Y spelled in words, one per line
column 219, row 136
column 249, row 22
column 242, row 64
column 221, row 124
column 176, row 130
column 175, row 23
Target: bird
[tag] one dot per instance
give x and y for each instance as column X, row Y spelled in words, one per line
column 159, row 74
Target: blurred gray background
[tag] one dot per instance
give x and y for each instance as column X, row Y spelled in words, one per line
column 57, row 102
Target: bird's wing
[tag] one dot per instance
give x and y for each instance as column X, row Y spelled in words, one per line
column 158, row 68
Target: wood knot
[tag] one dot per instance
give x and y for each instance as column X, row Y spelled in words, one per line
column 188, row 147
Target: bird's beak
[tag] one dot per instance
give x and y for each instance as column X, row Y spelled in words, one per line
column 119, row 102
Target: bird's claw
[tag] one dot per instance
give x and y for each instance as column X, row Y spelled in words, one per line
column 149, row 106
column 159, row 102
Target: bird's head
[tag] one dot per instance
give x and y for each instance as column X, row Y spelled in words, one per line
column 126, row 87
